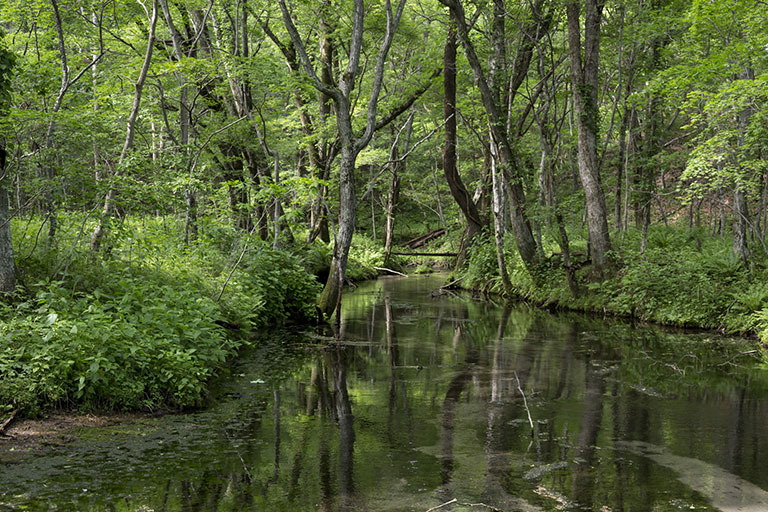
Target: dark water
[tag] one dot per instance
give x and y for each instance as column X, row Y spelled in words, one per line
column 421, row 404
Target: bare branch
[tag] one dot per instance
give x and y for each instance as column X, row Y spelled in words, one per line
column 392, row 23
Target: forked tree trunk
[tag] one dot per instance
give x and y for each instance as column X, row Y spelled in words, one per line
column 351, row 145
column 584, row 77
column 521, row 228
column 452, row 177
column 393, row 193
column 190, row 230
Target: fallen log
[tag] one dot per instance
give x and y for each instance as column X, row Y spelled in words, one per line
column 384, row 269
column 7, row 421
column 421, row 240
column 437, row 254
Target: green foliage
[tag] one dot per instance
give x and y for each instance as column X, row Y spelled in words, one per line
column 365, row 254
column 7, row 63
column 481, row 270
column 272, row 289
column 143, row 329
column 676, row 287
column 679, row 280
column 422, row 269
column 137, row 340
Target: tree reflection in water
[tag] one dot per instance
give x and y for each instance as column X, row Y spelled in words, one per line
column 415, row 401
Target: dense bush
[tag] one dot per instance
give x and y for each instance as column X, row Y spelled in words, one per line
column 144, row 328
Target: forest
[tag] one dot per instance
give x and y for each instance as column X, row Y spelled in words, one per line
column 179, row 176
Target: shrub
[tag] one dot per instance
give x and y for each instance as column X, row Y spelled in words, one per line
column 142, row 329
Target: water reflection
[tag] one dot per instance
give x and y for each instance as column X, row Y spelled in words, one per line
column 427, row 399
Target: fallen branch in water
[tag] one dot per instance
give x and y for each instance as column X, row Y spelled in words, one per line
column 383, row 269
column 471, row 505
column 525, row 403
column 449, row 285
column 8, row 421
column 454, row 500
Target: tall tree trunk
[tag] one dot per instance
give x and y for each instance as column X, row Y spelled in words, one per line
column 330, row 298
column 319, row 217
column 393, row 193
column 740, row 207
column 498, row 219
column 190, row 228
column 584, row 77
column 393, row 196
column 7, row 267
column 50, row 171
column 741, row 225
column 455, row 184
column 101, row 226
column 190, row 220
column 521, row 228
column 351, row 145
column 621, row 166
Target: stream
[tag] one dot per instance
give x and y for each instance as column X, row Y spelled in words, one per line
column 437, row 402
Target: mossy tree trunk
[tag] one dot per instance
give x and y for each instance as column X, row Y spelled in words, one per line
column 7, row 268
column 584, row 76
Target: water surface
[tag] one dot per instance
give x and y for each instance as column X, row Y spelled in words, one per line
column 429, row 398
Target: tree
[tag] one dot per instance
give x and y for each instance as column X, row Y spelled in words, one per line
column 721, row 74
column 350, row 144
column 7, row 266
column 130, row 133
column 499, row 117
column 452, row 177
column 584, row 78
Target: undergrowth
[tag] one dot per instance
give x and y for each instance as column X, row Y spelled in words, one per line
column 143, row 328
column 684, row 278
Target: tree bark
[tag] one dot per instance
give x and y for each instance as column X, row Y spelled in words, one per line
column 740, row 206
column 7, row 267
column 584, row 77
column 190, row 228
column 393, row 193
column 521, row 228
column 452, row 176
column 351, row 145
column 498, row 219
column 741, row 225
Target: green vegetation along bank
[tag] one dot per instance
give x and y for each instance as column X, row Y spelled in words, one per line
column 147, row 327
column 684, row 277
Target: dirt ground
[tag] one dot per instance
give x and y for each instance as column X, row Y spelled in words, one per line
column 24, row 436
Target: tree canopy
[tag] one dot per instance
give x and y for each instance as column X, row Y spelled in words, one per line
column 294, row 121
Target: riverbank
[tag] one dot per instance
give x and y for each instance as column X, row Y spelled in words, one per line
column 684, row 278
column 274, row 438
column 146, row 327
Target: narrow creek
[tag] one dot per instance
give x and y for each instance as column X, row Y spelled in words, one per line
column 427, row 401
